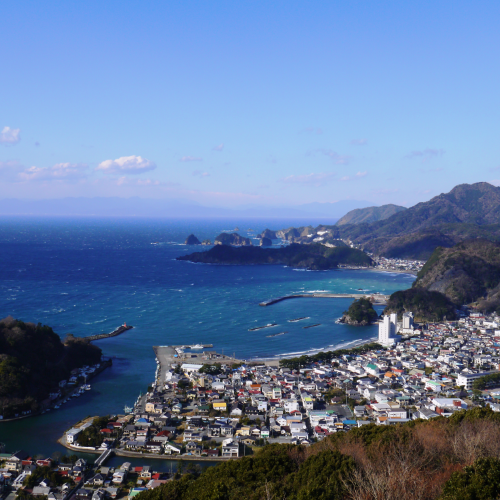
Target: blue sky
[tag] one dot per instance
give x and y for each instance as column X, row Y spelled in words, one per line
column 249, row 103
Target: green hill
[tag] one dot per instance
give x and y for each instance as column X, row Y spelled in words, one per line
column 360, row 313
column 369, row 214
column 314, row 256
column 33, row 360
column 427, row 306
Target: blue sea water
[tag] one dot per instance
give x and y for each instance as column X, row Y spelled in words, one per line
column 89, row 275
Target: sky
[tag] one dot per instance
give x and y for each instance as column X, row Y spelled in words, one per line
column 248, row 103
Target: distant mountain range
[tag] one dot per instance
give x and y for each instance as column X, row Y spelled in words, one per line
column 141, row 207
column 369, row 214
column 467, row 211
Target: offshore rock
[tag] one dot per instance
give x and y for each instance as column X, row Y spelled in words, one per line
column 192, row 240
column 232, row 239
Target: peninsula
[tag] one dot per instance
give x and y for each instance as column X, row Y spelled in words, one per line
column 314, row 256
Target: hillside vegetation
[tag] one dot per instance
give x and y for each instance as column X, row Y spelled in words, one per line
column 447, row 459
column 427, row 306
column 33, row 360
column 314, row 256
column 467, row 273
column 369, row 214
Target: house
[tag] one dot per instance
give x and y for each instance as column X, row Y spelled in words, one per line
column 14, row 462
column 97, row 480
column 230, row 448
column 193, row 448
column 219, row 405
column 154, row 446
column 83, row 494
column 41, row 491
column 171, row 449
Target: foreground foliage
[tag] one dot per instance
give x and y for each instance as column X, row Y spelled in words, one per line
column 446, row 459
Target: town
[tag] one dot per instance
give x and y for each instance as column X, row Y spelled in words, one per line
column 207, row 406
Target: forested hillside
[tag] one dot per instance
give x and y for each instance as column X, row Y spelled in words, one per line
column 466, row 273
column 33, row 360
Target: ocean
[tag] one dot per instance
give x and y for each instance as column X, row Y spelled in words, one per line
column 89, row 275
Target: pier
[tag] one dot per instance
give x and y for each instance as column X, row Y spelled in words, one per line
column 114, row 333
column 377, row 298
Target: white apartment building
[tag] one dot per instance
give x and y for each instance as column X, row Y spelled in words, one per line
column 387, row 330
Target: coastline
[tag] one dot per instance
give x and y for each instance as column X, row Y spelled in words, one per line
column 135, row 454
column 348, row 345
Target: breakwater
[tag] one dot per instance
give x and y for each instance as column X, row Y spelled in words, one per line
column 114, row 333
column 377, row 298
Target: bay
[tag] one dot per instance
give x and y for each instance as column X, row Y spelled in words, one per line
column 89, row 275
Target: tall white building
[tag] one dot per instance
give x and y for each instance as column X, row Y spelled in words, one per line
column 387, row 330
column 408, row 320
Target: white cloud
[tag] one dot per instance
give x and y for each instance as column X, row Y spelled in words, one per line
column 125, row 181
column 198, row 173
column 220, row 147
column 60, row 171
column 337, row 159
column 312, row 130
column 126, row 165
column 359, row 142
column 10, row 135
column 426, row 154
column 310, row 179
column 191, row 158
column 358, row 175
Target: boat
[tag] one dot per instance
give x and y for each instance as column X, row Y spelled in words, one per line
column 57, row 407
column 197, row 346
column 298, row 319
column 269, row 325
column 128, row 409
column 87, row 387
